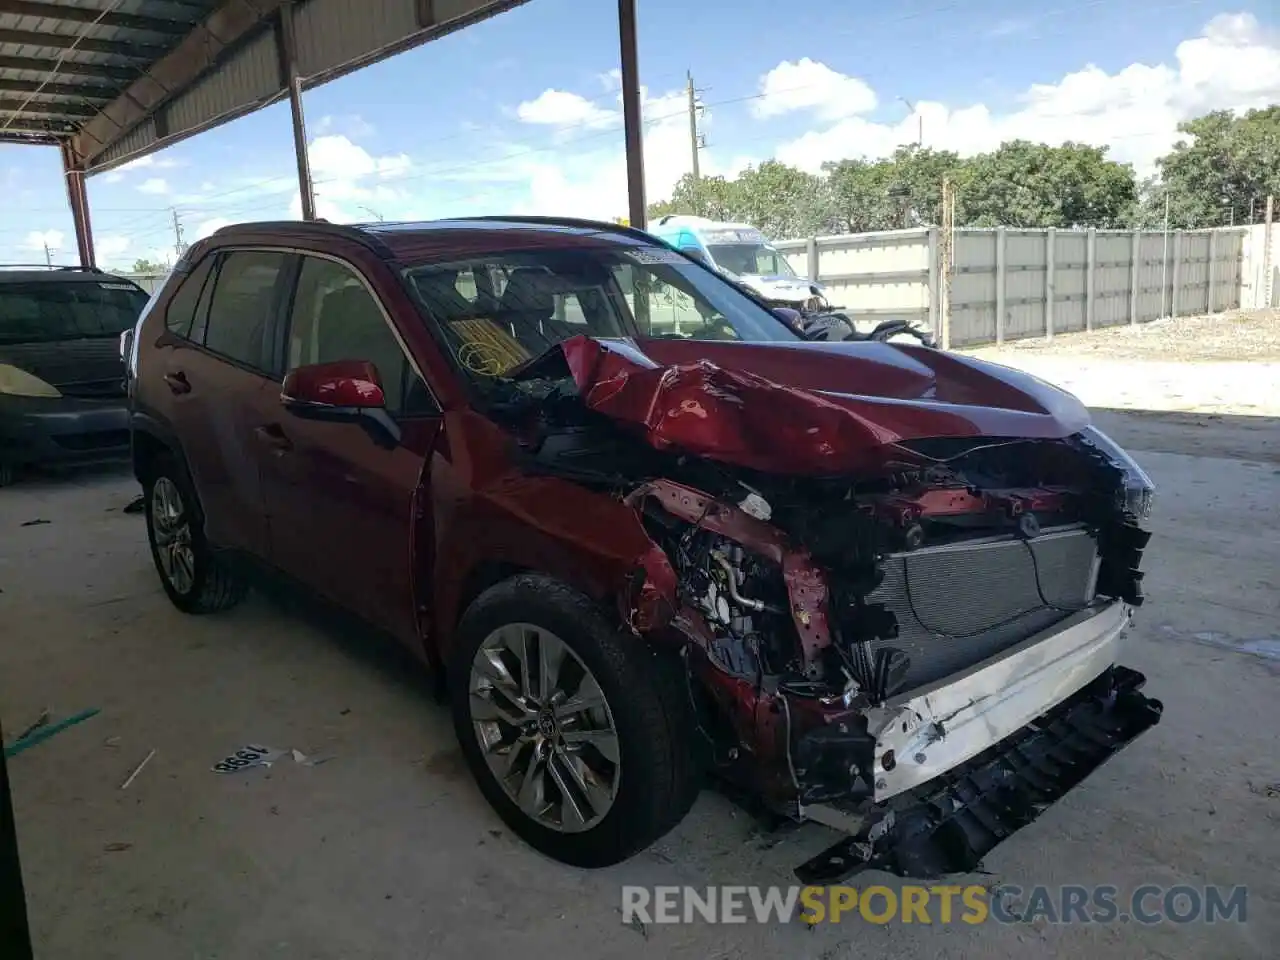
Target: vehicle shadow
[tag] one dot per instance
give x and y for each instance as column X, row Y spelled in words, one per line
column 51, row 479
column 362, row 643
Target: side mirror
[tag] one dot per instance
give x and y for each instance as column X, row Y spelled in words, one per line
column 342, row 391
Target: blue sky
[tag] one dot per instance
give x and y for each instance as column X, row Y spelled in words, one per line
column 520, row 113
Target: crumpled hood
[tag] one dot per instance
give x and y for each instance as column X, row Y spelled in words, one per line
column 818, row 409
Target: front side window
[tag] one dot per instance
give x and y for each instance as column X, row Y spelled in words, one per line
column 48, row 311
column 503, row 310
column 335, row 317
column 243, row 299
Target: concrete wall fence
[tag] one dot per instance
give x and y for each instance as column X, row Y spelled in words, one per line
column 1008, row 283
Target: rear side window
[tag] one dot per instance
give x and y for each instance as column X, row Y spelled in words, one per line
column 240, row 311
column 181, row 314
column 48, row 311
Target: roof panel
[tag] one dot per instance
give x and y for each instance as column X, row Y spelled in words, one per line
column 250, row 78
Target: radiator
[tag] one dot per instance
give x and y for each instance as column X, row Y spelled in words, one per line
column 959, row 604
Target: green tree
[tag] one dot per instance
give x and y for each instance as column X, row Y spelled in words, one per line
column 782, row 201
column 1224, row 169
column 148, row 266
column 713, row 197
column 1025, row 184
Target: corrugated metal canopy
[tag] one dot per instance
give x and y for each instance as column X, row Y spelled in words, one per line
column 113, row 80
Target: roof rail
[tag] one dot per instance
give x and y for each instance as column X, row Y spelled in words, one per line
column 354, row 232
column 628, row 231
column 50, row 266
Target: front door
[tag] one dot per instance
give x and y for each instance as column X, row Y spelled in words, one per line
column 342, row 505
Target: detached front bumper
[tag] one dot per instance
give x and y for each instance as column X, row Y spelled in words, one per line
column 58, row 430
column 965, row 762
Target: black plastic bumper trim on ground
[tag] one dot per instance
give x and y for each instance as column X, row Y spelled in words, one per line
column 950, row 823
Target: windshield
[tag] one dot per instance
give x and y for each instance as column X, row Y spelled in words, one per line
column 46, row 311
column 499, row 311
column 750, row 259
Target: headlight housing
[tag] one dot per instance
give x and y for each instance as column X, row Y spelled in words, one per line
column 16, row 382
column 1136, row 493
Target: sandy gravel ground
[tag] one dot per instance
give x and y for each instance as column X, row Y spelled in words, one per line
column 1221, row 364
column 387, row 851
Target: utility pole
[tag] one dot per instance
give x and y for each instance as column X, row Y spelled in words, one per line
column 179, row 246
column 48, row 257
column 695, row 141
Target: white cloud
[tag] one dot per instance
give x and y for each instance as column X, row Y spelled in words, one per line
column 40, row 239
column 1233, row 65
column 337, row 157
column 154, row 185
column 111, row 248
column 591, row 179
column 208, row 227
column 809, row 86
column 349, row 125
column 558, row 108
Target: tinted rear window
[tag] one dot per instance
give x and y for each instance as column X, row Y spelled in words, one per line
column 43, row 312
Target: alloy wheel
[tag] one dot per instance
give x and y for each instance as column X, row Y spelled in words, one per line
column 544, row 727
column 171, row 530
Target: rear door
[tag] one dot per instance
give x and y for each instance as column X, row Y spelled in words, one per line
column 343, row 507
column 216, row 360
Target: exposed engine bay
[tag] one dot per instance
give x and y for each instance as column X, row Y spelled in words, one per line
column 843, row 632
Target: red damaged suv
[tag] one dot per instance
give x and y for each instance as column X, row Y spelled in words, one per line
column 647, row 534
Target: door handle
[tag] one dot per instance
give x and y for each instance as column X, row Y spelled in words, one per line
column 178, row 382
column 273, row 435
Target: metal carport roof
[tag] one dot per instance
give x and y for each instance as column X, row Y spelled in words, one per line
column 108, row 81
column 116, row 79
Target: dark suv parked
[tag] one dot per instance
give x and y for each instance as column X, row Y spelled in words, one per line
column 62, row 390
column 647, row 531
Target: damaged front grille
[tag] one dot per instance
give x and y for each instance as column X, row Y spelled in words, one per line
column 949, row 824
column 958, row 604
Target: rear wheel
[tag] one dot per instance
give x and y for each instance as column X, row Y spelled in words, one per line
column 576, row 732
column 195, row 578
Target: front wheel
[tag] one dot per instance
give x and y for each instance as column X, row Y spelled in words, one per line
column 576, row 732
column 195, row 578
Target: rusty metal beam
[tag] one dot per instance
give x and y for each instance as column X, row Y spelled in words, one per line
column 88, row 92
column 632, row 119
column 288, row 51
column 197, row 53
column 57, row 11
column 64, row 41
column 43, row 127
column 74, row 68
column 29, row 139
column 43, row 108
column 78, row 196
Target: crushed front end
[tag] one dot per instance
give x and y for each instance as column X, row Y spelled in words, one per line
column 919, row 650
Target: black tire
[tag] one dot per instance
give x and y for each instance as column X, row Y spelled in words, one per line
column 215, row 587
column 647, row 697
column 8, row 473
